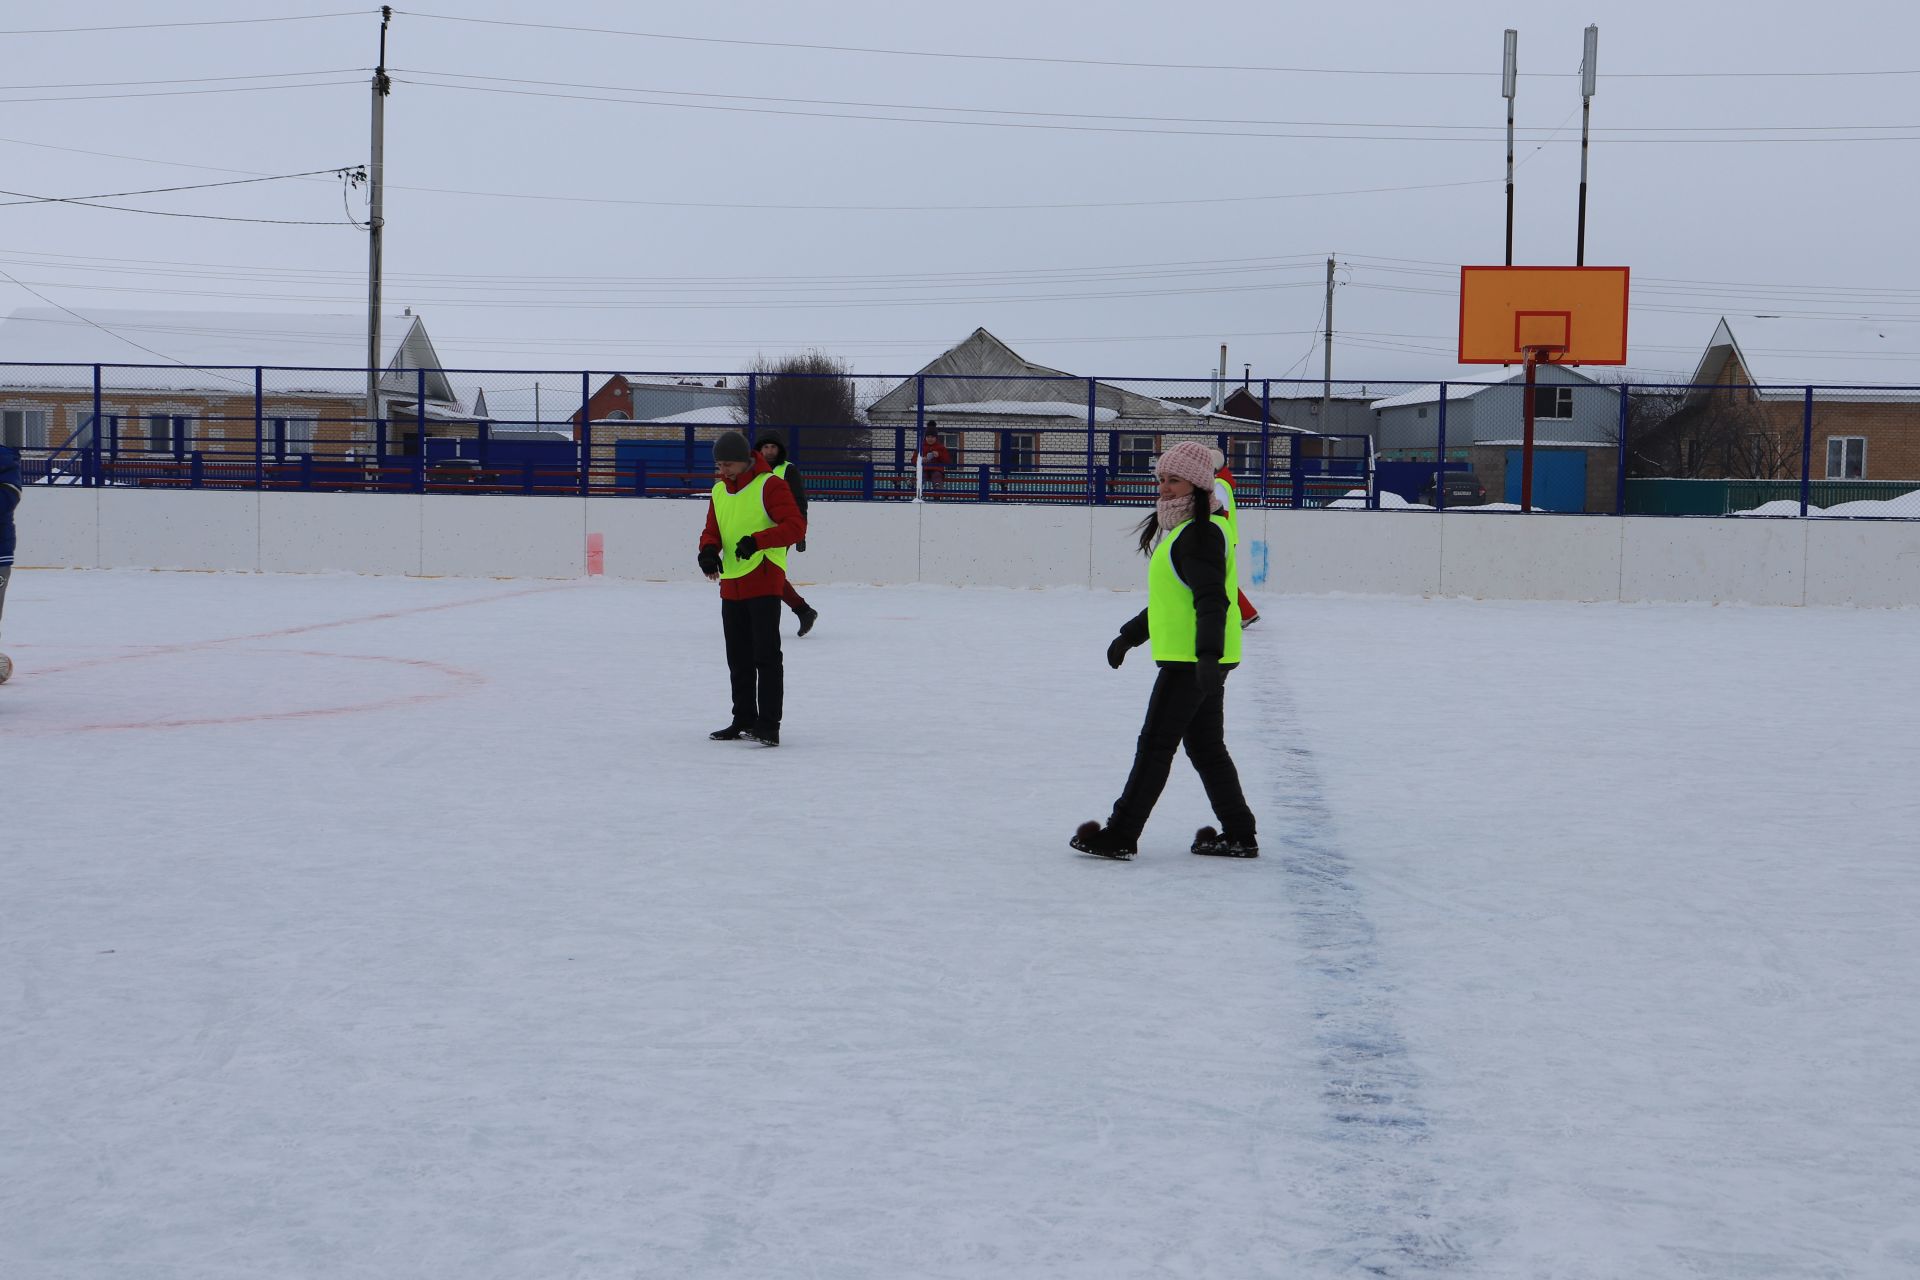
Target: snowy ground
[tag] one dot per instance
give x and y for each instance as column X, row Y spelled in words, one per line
column 376, row 927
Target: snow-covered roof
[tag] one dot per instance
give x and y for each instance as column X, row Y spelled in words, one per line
column 710, row 415
column 1025, row 408
column 197, row 350
column 1473, row 384
column 1881, row 355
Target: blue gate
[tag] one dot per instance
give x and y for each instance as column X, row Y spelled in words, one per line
column 1559, row 479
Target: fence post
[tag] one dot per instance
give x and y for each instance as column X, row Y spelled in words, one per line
column 866, row 482
column 753, row 402
column 196, row 469
column 420, row 411
column 1620, row 478
column 986, row 483
column 420, row 470
column 259, row 426
column 1100, row 486
column 919, row 419
column 1092, row 417
column 1806, row 453
column 526, row 477
column 1440, row 456
column 639, row 477
column 1266, row 439
column 586, row 433
column 95, row 480
column 306, row 472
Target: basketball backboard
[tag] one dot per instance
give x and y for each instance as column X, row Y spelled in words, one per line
column 1566, row 315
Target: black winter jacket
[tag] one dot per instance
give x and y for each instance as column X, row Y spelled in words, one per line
column 1200, row 558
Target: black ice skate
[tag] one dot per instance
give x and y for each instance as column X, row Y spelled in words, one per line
column 732, row 733
column 767, row 737
column 1211, row 843
column 1103, row 842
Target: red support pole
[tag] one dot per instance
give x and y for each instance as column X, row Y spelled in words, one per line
column 1526, row 439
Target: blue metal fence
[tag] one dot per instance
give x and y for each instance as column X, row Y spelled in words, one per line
column 938, row 437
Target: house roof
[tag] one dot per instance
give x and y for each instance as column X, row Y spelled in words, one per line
column 1466, row 390
column 1783, row 356
column 200, row 350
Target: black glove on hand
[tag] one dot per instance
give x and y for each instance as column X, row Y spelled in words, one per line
column 800, row 545
column 1117, row 652
column 709, row 559
column 747, row 548
column 1210, row 676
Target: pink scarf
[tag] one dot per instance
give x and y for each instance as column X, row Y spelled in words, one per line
column 1174, row 510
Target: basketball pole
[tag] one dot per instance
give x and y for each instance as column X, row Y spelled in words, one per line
column 1587, row 83
column 1526, row 435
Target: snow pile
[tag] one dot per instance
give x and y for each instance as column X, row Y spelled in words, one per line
column 1904, row 507
column 1389, row 501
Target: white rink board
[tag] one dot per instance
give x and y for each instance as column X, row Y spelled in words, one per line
column 1499, row 556
column 339, row 533
column 1727, row 561
column 1850, row 562
column 499, row 537
column 1392, row 552
column 1495, row 556
column 59, row 527
column 184, row 529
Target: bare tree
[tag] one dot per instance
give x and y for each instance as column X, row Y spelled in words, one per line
column 1717, row 433
column 809, row 398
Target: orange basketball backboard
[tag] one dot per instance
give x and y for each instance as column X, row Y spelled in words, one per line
column 1569, row 315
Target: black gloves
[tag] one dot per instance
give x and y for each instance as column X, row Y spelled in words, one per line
column 1210, row 676
column 710, row 560
column 800, row 545
column 747, row 548
column 1117, row 652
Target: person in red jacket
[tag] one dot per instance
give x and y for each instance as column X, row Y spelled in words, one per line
column 751, row 521
column 934, row 459
column 1223, row 488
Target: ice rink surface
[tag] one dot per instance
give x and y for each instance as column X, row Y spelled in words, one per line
column 380, row 927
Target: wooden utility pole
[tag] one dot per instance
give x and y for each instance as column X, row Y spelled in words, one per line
column 376, row 221
column 1326, row 371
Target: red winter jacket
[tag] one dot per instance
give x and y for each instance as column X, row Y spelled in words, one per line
column 789, row 526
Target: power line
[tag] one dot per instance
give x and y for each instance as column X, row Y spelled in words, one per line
column 1108, row 62
column 1068, row 128
column 205, row 22
column 27, row 197
column 182, row 93
column 154, row 191
column 109, row 332
column 121, row 84
column 1490, row 130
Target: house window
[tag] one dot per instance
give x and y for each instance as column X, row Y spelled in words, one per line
column 165, row 432
column 1019, row 451
column 618, row 415
column 1846, row 457
column 283, row 437
column 24, row 428
column 1244, row 456
column 1135, row 455
column 1422, row 412
column 1553, row 402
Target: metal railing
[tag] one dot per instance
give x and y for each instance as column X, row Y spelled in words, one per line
column 1628, row 448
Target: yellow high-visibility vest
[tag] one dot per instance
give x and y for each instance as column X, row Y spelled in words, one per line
column 738, row 515
column 1172, row 624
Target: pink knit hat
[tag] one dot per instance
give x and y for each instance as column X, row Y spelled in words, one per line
column 1191, row 461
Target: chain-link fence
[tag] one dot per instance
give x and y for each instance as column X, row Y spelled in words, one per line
column 959, row 436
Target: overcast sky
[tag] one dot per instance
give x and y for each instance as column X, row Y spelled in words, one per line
column 1104, row 219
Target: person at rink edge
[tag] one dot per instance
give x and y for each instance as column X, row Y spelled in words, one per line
column 1223, row 489
column 1195, row 637
column 751, row 521
column 771, row 447
column 9, row 499
column 933, row 457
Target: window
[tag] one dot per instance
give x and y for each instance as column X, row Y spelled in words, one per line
column 284, row 437
column 1846, row 457
column 1553, row 402
column 618, row 415
column 1135, row 455
column 24, row 428
column 1244, row 456
column 165, row 432
column 1422, row 413
column 1019, row 451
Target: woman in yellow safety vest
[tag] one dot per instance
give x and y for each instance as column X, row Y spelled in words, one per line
column 1195, row 634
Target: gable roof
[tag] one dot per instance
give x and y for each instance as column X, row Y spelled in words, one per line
column 211, row 350
column 1430, row 393
column 1781, row 357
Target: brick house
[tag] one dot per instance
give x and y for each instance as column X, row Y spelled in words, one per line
column 996, row 409
column 173, row 382
column 1761, row 378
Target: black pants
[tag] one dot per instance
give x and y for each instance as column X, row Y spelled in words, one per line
column 752, row 629
column 1177, row 715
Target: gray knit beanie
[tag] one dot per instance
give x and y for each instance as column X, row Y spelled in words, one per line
column 732, row 447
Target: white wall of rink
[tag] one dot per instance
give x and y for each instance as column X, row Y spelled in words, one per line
column 1489, row 555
